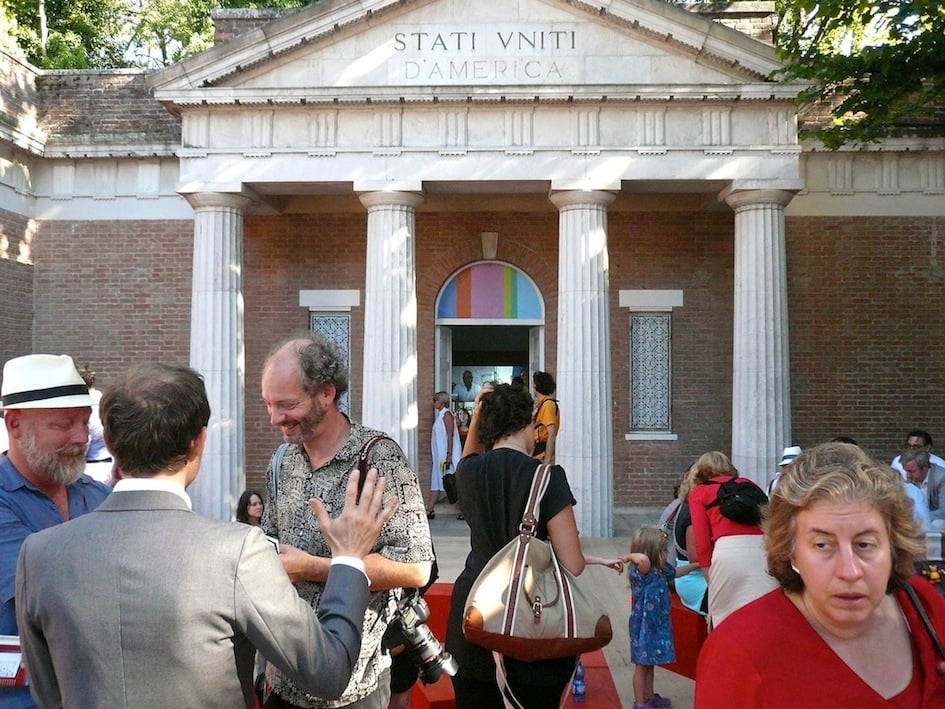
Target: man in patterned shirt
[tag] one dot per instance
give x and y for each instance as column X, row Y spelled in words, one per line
column 302, row 381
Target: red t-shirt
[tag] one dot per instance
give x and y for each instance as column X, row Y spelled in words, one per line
column 767, row 654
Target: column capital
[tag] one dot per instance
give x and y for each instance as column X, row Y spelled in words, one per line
column 218, row 200
column 750, row 198
column 391, row 199
column 581, row 198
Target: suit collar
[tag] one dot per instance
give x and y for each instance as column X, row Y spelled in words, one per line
column 134, row 500
column 152, row 485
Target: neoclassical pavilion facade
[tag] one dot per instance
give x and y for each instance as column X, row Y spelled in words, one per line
column 618, row 182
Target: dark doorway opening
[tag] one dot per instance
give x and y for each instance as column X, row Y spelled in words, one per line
column 490, row 345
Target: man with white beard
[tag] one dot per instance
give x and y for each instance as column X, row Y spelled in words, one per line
column 46, row 413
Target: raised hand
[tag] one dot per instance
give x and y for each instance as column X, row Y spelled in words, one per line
column 355, row 530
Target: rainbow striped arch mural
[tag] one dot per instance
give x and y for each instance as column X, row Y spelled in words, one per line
column 489, row 292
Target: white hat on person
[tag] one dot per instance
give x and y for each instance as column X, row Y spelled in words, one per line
column 42, row 381
column 789, row 454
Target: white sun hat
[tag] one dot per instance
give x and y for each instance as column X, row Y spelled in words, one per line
column 789, row 454
column 43, row 381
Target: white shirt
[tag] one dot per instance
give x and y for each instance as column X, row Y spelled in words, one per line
column 461, row 393
column 921, row 503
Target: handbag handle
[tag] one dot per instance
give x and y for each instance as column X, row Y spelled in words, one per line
column 526, row 531
column 531, row 513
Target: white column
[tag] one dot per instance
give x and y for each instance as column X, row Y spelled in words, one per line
column 585, row 445
column 761, row 381
column 390, row 318
column 216, row 347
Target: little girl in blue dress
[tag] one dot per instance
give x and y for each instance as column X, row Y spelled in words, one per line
column 651, row 636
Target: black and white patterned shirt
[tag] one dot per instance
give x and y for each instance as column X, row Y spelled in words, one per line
column 405, row 538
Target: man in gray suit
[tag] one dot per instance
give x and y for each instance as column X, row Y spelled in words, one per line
column 929, row 478
column 143, row 603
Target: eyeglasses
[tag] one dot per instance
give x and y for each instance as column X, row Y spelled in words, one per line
column 914, row 446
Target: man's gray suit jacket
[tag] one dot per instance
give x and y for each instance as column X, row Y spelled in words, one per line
column 144, row 603
column 935, row 491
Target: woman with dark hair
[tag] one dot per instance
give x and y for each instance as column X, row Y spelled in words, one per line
column 493, row 480
column 846, row 626
column 249, row 509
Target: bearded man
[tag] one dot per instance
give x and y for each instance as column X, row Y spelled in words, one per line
column 46, row 413
column 302, row 381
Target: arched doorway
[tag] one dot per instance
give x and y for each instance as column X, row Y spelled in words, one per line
column 490, row 319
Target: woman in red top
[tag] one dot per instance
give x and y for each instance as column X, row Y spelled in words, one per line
column 730, row 553
column 845, row 629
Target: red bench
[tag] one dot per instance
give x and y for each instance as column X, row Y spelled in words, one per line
column 689, row 632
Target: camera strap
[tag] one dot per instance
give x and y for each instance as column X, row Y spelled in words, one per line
column 363, row 455
column 277, row 456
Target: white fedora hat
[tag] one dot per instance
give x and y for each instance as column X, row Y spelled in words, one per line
column 789, row 454
column 42, row 381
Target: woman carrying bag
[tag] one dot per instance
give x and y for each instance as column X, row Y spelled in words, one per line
column 494, row 479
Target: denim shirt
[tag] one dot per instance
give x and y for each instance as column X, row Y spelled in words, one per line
column 24, row 510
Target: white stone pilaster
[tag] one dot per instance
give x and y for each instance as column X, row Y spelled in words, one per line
column 761, row 381
column 216, row 347
column 390, row 318
column 585, row 444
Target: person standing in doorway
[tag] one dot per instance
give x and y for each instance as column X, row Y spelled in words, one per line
column 445, row 446
column 466, row 390
column 546, row 418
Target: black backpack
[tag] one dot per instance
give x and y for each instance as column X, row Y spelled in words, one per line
column 739, row 500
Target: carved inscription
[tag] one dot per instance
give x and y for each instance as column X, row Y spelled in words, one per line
column 500, row 54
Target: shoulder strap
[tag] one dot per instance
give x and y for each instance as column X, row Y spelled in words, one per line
column 923, row 616
column 363, row 458
column 717, row 501
column 276, row 466
column 671, row 518
column 537, row 491
column 538, row 410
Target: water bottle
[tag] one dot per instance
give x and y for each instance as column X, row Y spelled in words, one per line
column 577, row 684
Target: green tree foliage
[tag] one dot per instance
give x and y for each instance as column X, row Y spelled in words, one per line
column 78, row 33
column 878, row 64
column 166, row 31
column 105, row 34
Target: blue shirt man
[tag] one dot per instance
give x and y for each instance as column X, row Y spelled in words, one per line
column 46, row 413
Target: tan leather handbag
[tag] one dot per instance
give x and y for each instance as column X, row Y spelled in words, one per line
column 525, row 605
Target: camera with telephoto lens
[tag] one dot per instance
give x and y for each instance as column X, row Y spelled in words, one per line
column 408, row 629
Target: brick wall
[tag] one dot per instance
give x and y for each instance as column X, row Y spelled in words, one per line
column 752, row 17
column 114, row 293
column 107, row 108
column 692, row 252
column 16, row 285
column 867, row 306
column 284, row 255
column 231, row 22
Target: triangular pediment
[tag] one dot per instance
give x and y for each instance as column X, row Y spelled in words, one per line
column 422, row 50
